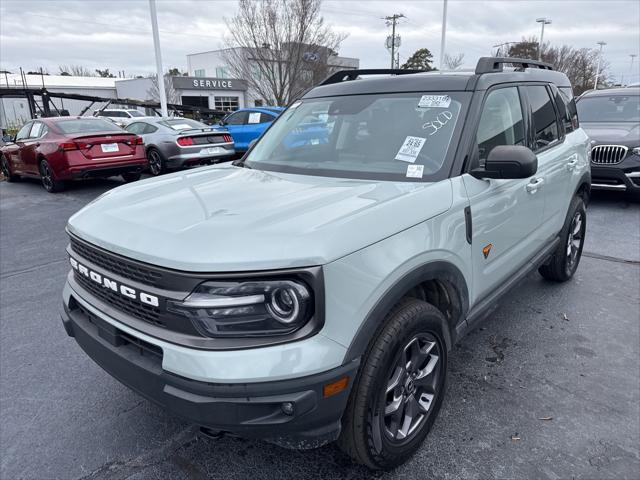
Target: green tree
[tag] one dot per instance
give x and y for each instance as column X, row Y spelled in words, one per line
column 420, row 60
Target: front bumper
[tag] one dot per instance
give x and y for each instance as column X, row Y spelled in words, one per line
column 612, row 178
column 246, row 409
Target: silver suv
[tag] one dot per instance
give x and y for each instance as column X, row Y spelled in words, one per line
column 312, row 291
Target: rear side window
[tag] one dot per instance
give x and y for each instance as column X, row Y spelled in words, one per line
column 24, row 132
column 545, row 123
column 239, row 118
column 38, row 130
column 137, row 128
column 501, row 122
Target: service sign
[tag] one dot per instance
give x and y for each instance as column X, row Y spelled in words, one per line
column 207, row 83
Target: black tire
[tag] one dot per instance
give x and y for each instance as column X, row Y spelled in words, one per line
column 564, row 262
column 48, row 178
column 131, row 176
column 157, row 164
column 386, row 383
column 6, row 171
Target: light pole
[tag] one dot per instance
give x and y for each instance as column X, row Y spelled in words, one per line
column 443, row 39
column 602, row 44
column 156, row 46
column 544, row 21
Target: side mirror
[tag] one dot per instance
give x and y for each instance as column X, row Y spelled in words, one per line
column 508, row 161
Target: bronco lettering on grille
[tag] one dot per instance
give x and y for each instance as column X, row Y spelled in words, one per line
column 113, row 285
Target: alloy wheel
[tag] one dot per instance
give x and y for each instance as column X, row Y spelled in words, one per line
column 155, row 162
column 46, row 176
column 574, row 241
column 411, row 388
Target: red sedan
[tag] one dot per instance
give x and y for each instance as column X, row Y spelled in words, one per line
column 60, row 149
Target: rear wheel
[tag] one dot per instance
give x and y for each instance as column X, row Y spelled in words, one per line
column 156, row 162
column 6, row 171
column 131, row 176
column 399, row 390
column 564, row 262
column 48, row 178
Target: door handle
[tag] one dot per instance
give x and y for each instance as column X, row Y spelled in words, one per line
column 573, row 162
column 534, row 185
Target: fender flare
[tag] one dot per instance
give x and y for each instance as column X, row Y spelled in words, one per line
column 585, row 180
column 437, row 270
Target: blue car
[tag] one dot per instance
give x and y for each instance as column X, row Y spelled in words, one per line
column 247, row 124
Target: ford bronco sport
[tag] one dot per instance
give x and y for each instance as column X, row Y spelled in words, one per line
column 312, row 291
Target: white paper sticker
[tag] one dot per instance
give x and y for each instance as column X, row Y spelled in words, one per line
column 254, row 117
column 415, row 171
column 410, row 149
column 440, row 101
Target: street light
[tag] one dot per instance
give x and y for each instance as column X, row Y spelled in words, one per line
column 602, row 44
column 156, row 46
column 544, row 21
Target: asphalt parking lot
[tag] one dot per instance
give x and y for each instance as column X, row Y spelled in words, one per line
column 549, row 387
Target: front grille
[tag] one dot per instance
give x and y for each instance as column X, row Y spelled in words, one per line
column 117, row 265
column 608, row 154
column 147, row 313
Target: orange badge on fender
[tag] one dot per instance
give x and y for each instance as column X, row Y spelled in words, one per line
column 486, row 250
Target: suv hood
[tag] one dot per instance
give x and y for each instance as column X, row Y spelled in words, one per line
column 623, row 133
column 227, row 218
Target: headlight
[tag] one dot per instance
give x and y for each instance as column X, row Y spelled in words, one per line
column 247, row 308
column 636, row 151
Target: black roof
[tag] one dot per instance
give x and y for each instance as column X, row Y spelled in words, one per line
column 489, row 72
column 612, row 91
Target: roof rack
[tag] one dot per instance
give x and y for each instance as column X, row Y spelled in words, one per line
column 496, row 64
column 345, row 75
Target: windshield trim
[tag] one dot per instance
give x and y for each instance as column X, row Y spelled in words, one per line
column 444, row 172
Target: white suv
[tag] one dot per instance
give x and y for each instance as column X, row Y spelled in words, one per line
column 120, row 116
column 312, row 290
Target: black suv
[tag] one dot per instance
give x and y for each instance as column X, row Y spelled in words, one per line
column 612, row 119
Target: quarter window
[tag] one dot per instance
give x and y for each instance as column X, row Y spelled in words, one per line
column 137, row 128
column 545, row 123
column 24, row 132
column 566, row 108
column 501, row 122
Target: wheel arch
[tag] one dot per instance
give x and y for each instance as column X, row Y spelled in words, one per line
column 584, row 187
column 433, row 281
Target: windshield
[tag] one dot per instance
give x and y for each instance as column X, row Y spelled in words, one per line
column 615, row 108
column 136, row 113
column 87, row 125
column 400, row 136
column 183, row 124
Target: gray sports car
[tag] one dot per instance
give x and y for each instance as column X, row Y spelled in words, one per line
column 173, row 143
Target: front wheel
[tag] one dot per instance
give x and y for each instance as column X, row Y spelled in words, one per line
column 400, row 388
column 47, row 176
column 6, row 171
column 564, row 261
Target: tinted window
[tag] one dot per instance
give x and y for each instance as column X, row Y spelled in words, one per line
column 113, row 114
column 545, row 123
column 87, row 125
column 614, row 108
column 149, row 128
column 137, row 127
column 239, row 118
column 24, row 132
column 38, row 130
column 501, row 122
column 566, row 108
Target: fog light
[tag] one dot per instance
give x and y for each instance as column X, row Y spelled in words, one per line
column 287, row 408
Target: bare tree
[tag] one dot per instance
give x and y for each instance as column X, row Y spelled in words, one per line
column 453, row 62
column 75, row 70
column 282, row 47
column 154, row 92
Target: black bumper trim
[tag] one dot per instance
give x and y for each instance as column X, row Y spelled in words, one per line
column 248, row 409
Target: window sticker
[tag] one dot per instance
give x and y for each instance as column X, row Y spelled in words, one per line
column 438, row 122
column 439, row 101
column 254, row 117
column 410, row 149
column 415, row 171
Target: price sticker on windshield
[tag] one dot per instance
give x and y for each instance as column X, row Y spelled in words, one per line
column 410, row 149
column 415, row 171
column 437, row 101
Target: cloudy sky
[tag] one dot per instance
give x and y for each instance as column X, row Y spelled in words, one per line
column 116, row 34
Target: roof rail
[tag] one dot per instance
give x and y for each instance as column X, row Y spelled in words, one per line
column 495, row 64
column 344, row 75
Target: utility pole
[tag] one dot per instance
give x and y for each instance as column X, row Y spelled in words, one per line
column 392, row 20
column 544, row 21
column 602, row 44
column 156, row 46
column 444, row 34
